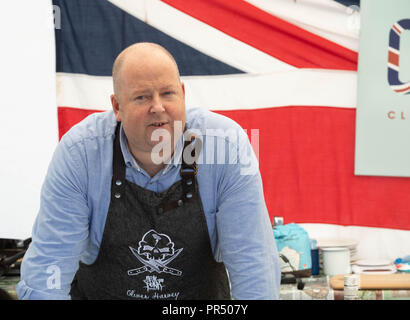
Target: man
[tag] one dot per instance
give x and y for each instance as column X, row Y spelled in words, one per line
column 137, row 203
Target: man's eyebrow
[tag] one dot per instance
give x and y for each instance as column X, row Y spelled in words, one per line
column 170, row 86
column 140, row 91
column 143, row 91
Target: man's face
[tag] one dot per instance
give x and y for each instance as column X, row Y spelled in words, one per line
column 151, row 97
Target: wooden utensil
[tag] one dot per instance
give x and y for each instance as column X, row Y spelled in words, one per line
column 375, row 281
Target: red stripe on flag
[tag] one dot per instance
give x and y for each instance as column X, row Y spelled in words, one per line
column 393, row 58
column 398, row 31
column 68, row 117
column 403, row 90
column 272, row 35
column 306, row 157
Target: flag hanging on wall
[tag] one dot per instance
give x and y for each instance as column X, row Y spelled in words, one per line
column 287, row 68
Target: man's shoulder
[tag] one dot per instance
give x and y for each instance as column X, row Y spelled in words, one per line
column 96, row 125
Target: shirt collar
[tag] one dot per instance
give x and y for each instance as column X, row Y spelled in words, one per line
column 131, row 162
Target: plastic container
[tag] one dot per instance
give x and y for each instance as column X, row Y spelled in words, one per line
column 351, row 287
column 336, row 260
column 314, row 252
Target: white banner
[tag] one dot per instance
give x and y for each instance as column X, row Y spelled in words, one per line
column 28, row 133
column 383, row 108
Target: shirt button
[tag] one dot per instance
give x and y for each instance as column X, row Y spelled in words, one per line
column 117, row 195
column 118, row 182
column 180, row 203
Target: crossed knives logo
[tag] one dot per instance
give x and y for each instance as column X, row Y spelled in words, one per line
column 155, row 251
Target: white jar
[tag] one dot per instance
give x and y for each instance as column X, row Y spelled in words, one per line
column 336, row 260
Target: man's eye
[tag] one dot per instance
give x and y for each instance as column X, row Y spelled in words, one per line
column 140, row 98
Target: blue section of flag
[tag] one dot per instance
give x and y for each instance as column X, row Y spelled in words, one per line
column 394, row 40
column 349, row 2
column 94, row 32
column 393, row 77
column 405, row 24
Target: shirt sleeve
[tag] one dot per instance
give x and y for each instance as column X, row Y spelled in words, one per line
column 245, row 234
column 61, row 227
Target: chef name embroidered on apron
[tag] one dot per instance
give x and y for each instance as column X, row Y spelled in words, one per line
column 154, row 245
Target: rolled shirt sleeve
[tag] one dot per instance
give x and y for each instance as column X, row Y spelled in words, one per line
column 60, row 230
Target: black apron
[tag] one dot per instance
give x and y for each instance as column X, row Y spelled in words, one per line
column 154, row 245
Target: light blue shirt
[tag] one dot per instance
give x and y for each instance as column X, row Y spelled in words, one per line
column 76, row 194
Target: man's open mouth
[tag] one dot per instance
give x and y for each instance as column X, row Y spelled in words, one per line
column 158, row 124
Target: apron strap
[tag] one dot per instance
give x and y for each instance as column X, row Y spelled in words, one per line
column 188, row 173
column 118, row 176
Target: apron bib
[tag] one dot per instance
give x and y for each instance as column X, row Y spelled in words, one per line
column 154, row 245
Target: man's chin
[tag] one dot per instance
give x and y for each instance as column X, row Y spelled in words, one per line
column 165, row 143
column 163, row 146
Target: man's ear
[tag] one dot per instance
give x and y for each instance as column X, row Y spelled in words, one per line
column 116, row 107
column 183, row 88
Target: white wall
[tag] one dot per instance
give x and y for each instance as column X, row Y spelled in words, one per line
column 28, row 127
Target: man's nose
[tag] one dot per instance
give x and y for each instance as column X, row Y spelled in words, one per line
column 156, row 104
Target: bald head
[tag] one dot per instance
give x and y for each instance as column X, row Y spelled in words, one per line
column 141, row 53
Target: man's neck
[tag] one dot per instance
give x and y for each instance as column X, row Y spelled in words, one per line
column 153, row 169
column 145, row 161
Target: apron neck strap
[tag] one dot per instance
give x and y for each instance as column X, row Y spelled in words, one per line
column 118, row 159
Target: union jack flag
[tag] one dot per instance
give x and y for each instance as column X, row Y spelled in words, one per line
column 286, row 68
